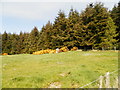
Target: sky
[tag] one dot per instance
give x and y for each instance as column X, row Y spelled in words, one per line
column 23, row 15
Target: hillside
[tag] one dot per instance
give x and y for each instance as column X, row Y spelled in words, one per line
column 67, row 69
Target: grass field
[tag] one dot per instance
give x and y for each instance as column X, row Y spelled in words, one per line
column 71, row 69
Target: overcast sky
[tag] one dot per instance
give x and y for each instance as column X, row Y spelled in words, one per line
column 23, row 15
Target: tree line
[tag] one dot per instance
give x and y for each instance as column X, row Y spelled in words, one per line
column 95, row 28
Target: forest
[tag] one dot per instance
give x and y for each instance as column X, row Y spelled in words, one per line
column 94, row 28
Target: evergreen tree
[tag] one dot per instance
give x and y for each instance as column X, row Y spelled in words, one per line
column 58, row 32
column 115, row 14
column 6, row 43
column 33, row 40
column 105, row 26
column 88, row 27
column 21, row 42
column 73, row 27
column 98, row 25
column 26, row 43
column 14, row 45
column 45, row 36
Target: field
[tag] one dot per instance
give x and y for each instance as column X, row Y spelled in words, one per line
column 71, row 69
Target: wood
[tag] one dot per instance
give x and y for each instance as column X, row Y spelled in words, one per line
column 101, row 80
column 107, row 83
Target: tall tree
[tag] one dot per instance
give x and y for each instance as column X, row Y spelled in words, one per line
column 89, row 30
column 45, row 36
column 33, row 40
column 98, row 26
column 26, row 45
column 105, row 27
column 58, row 32
column 115, row 14
column 6, row 43
column 15, row 49
column 21, row 42
column 73, row 26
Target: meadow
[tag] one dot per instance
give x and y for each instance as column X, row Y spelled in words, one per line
column 71, row 69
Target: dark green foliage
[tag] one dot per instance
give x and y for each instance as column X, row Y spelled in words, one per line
column 15, row 49
column 6, row 43
column 58, row 33
column 99, row 28
column 45, row 40
column 115, row 14
column 33, row 40
column 92, row 28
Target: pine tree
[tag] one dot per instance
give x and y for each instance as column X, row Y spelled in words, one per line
column 58, row 33
column 115, row 14
column 45, row 36
column 89, row 30
column 72, row 29
column 33, row 40
column 26, row 45
column 97, row 23
column 105, row 26
column 6, row 43
column 21, row 42
column 14, row 45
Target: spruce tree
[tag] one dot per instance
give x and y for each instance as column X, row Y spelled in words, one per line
column 115, row 14
column 88, row 27
column 72, row 29
column 33, row 40
column 58, row 33
column 21, row 42
column 45, row 36
column 98, row 26
column 6, row 43
column 26, row 45
column 15, row 45
column 105, row 27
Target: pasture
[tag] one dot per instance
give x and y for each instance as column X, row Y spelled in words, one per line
column 71, row 69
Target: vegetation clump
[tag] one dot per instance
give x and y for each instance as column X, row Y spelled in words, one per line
column 5, row 54
column 74, row 49
column 64, row 49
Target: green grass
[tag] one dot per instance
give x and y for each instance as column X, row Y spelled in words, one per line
column 68, row 69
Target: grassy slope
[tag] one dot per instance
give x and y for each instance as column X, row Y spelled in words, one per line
column 69, row 69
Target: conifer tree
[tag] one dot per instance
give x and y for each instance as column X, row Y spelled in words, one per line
column 72, row 28
column 6, row 43
column 21, row 42
column 26, row 45
column 45, row 36
column 33, row 40
column 58, row 32
column 115, row 14
column 97, row 23
column 14, row 44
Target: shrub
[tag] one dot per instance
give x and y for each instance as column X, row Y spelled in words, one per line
column 64, row 49
column 5, row 54
column 44, row 52
column 52, row 51
column 74, row 49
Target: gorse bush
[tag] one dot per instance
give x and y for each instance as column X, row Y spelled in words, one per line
column 64, row 49
column 49, row 51
column 74, row 49
column 44, row 52
column 5, row 54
